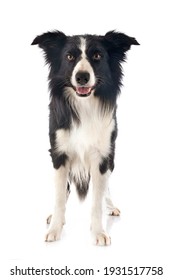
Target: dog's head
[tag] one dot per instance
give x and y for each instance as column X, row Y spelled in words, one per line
column 85, row 63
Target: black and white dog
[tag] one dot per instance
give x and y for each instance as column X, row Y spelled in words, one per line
column 85, row 79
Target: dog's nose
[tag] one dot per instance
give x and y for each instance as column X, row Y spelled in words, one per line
column 82, row 77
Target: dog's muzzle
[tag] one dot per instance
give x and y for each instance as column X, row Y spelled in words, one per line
column 83, row 87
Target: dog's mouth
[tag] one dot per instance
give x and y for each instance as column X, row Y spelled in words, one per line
column 83, row 91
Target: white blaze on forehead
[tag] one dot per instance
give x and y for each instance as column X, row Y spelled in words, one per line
column 83, row 65
column 83, row 47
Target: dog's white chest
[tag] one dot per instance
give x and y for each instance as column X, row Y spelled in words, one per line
column 89, row 138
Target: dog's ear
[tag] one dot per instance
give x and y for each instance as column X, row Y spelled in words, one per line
column 51, row 43
column 49, row 39
column 120, row 40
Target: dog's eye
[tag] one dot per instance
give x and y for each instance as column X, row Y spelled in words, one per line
column 70, row 57
column 96, row 56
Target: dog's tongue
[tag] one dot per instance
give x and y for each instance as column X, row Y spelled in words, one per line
column 83, row 90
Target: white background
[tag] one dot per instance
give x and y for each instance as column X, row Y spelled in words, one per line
column 141, row 184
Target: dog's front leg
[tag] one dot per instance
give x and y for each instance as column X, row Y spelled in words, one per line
column 58, row 216
column 99, row 191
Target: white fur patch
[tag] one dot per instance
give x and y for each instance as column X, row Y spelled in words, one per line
column 88, row 142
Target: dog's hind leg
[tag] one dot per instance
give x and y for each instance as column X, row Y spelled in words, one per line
column 48, row 220
column 58, row 217
column 110, row 208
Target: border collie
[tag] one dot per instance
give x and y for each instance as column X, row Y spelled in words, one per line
column 84, row 80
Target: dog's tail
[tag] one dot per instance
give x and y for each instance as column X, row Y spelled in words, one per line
column 82, row 190
column 82, row 185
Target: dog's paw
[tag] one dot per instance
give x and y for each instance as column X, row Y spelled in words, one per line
column 115, row 212
column 102, row 239
column 52, row 235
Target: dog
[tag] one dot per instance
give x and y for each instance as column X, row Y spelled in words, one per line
column 84, row 80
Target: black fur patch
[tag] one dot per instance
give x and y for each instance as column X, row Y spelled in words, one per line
column 58, row 159
column 108, row 162
column 104, row 165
